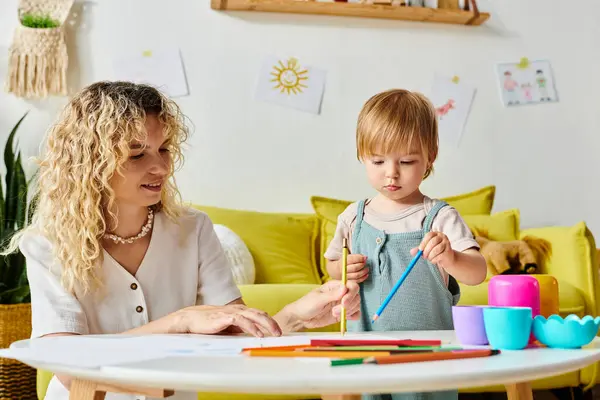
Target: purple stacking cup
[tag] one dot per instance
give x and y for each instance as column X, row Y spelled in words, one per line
column 468, row 325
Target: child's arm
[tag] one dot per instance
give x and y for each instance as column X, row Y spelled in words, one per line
column 467, row 266
column 451, row 246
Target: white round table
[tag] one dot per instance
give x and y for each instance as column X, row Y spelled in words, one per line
column 514, row 369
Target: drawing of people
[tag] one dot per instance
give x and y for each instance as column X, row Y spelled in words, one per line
column 526, row 88
column 509, row 86
column 542, row 85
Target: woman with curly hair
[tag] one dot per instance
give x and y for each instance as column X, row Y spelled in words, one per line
column 111, row 249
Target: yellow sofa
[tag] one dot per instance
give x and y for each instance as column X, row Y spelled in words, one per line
column 287, row 249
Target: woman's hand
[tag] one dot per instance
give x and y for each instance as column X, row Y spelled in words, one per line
column 322, row 306
column 233, row 318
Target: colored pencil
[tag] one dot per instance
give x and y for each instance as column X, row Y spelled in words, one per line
column 344, row 282
column 397, row 286
column 416, row 357
column 326, row 354
column 382, row 348
column 374, row 342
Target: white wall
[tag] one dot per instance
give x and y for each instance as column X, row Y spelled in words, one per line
column 254, row 155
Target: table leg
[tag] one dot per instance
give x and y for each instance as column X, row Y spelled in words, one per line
column 341, row 397
column 85, row 390
column 89, row 390
column 519, row 391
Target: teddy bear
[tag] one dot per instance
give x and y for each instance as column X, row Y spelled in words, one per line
column 524, row 256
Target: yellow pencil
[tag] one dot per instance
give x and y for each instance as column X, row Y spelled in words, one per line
column 344, row 281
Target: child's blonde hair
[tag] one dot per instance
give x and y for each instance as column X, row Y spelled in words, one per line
column 397, row 120
column 84, row 149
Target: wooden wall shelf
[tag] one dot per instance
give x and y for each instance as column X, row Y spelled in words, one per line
column 422, row 14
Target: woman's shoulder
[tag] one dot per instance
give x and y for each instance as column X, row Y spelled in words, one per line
column 188, row 220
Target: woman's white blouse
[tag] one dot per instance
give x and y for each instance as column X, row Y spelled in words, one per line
column 184, row 266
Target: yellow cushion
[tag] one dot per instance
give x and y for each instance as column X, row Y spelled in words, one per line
column 477, row 202
column 573, row 259
column 500, row 226
column 42, row 382
column 282, row 245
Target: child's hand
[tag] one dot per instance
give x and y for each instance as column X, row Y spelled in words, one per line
column 436, row 249
column 357, row 271
column 356, row 268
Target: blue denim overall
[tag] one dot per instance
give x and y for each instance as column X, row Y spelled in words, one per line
column 423, row 302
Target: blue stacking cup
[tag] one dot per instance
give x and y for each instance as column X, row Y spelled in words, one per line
column 508, row 328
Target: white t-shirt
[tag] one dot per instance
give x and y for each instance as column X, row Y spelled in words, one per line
column 184, row 266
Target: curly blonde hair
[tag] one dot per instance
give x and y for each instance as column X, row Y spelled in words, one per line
column 84, row 149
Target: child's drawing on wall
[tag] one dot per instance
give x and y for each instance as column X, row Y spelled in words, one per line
column 445, row 108
column 526, row 82
column 510, row 87
column 452, row 100
column 542, row 85
column 526, row 88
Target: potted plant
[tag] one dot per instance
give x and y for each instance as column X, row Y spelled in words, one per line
column 17, row 380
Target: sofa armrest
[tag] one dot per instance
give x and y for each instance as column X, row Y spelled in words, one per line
column 573, row 259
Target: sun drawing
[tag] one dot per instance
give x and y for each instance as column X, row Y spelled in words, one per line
column 289, row 78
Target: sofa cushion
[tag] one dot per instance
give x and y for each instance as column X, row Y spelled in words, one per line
column 500, row 226
column 237, row 253
column 573, row 259
column 570, row 299
column 477, row 202
column 282, row 245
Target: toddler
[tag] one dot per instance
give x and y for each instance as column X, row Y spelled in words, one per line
column 397, row 141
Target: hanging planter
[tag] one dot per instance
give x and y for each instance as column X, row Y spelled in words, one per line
column 37, row 59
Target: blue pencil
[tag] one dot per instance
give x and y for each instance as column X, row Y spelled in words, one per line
column 397, row 285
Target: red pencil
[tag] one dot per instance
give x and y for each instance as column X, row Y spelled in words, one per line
column 374, row 342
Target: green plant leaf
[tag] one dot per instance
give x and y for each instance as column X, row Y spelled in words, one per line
column 21, row 182
column 14, row 287
column 12, row 200
column 3, row 273
column 9, row 161
column 39, row 21
column 1, row 209
column 16, row 295
column 14, row 264
column 9, row 155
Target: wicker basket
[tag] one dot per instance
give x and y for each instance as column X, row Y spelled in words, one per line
column 17, row 380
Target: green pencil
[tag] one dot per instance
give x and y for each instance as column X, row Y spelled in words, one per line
column 383, row 348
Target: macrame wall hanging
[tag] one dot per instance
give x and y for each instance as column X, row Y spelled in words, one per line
column 37, row 57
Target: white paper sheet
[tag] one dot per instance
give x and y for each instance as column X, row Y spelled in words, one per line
column 94, row 351
column 452, row 100
column 287, row 82
column 162, row 68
